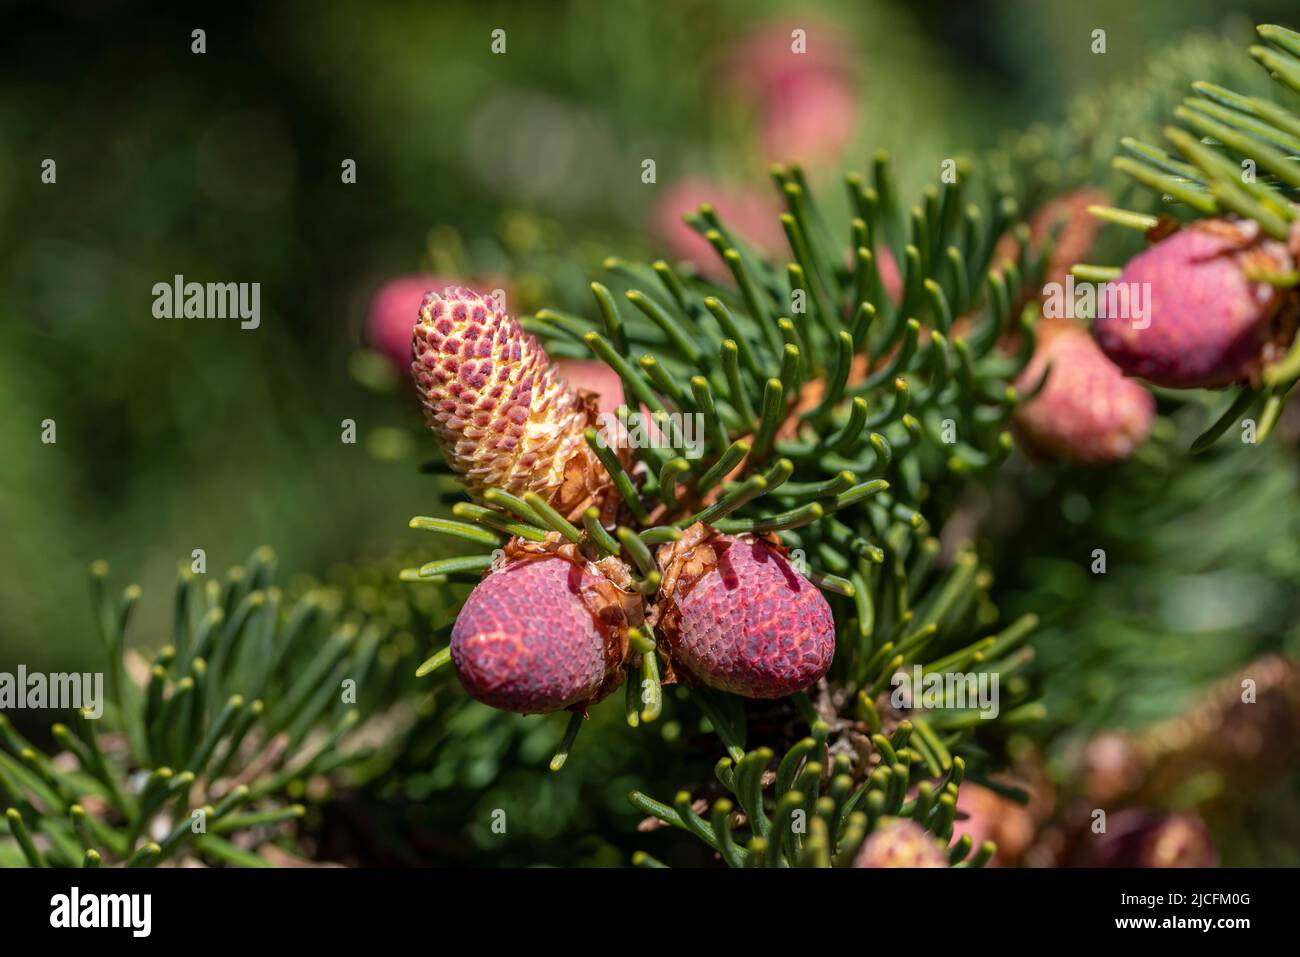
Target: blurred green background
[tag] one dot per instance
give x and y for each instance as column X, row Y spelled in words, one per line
column 524, row 168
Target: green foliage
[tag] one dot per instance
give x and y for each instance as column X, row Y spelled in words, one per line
column 1049, row 160
column 1196, row 581
column 257, row 701
column 934, row 402
column 797, row 825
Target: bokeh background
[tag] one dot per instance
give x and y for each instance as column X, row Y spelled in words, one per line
column 524, row 171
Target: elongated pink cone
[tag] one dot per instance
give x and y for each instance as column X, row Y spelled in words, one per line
column 1210, row 325
column 501, row 414
column 736, row 616
column 1087, row 412
column 525, row 640
column 901, row 843
column 393, row 312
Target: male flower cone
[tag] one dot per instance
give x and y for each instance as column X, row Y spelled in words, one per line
column 500, row 412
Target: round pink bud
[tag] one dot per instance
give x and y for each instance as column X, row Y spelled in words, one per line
column 750, row 624
column 525, row 640
column 1209, row 323
column 1087, row 412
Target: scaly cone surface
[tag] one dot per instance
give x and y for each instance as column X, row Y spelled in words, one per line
column 393, row 313
column 502, row 415
column 532, row 657
column 1210, row 324
column 738, row 617
column 545, row 630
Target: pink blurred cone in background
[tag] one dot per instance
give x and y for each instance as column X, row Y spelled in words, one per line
column 1144, row 838
column 393, row 313
column 588, row 375
column 811, row 120
column 991, row 817
column 750, row 216
column 807, row 102
column 1088, row 412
